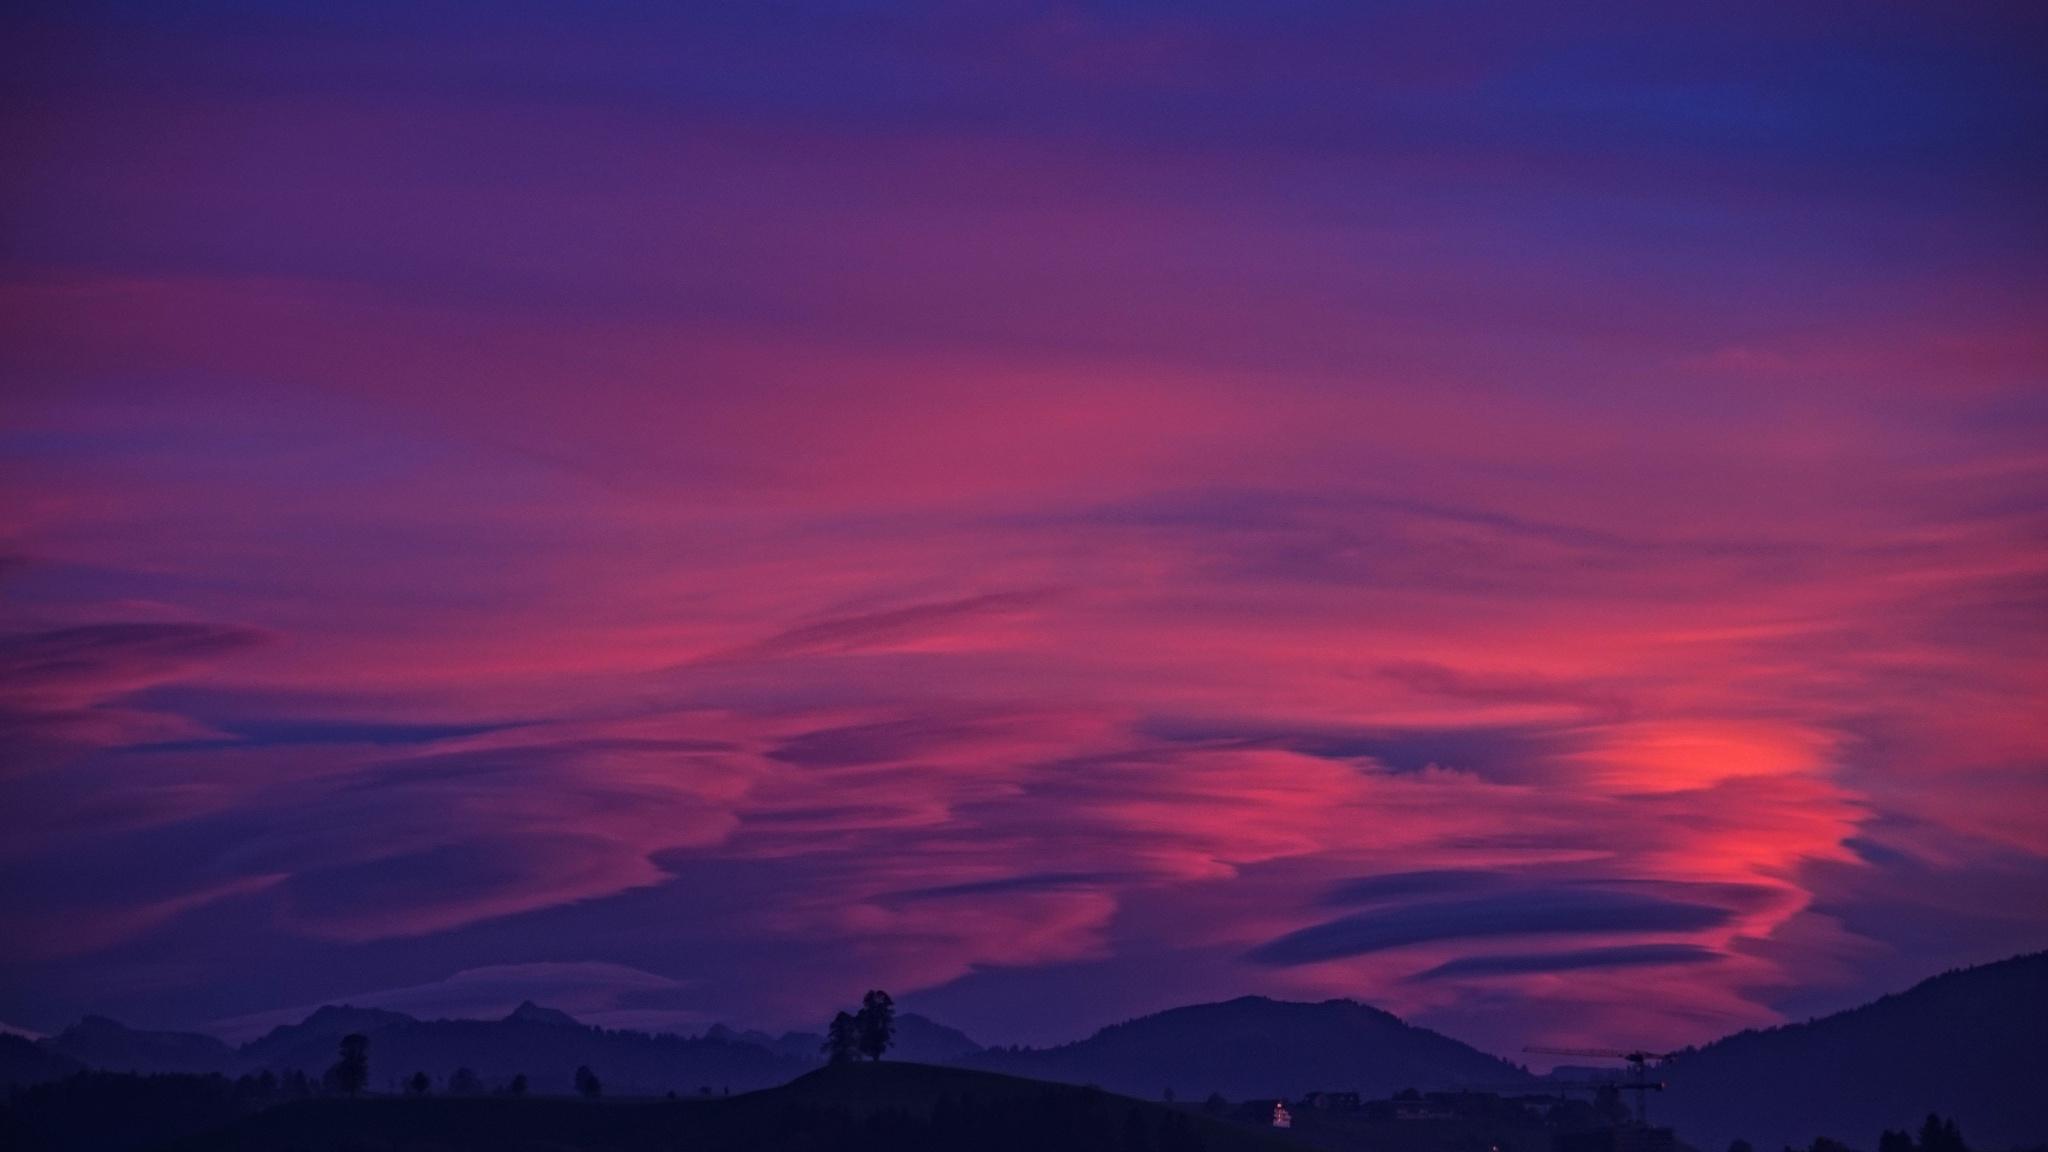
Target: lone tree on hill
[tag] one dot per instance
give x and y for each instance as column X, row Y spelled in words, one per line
column 587, row 1084
column 876, row 1023
column 842, row 1039
column 419, row 1085
column 518, row 1085
column 352, row 1071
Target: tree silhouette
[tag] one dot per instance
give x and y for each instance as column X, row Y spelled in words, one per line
column 1939, row 1135
column 463, row 1082
column 877, row 1023
column 1892, row 1141
column 419, row 1085
column 842, row 1039
column 518, row 1085
column 587, row 1084
column 352, row 1071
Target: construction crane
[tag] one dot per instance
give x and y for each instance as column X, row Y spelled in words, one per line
column 1638, row 1081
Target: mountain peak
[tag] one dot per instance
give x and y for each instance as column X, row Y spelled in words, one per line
column 335, row 1019
column 1255, row 1046
column 92, row 1024
column 99, row 1042
column 530, row 1013
column 350, row 1014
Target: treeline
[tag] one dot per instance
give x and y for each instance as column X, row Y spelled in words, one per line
column 116, row 1112
column 119, row 1111
column 1937, row 1134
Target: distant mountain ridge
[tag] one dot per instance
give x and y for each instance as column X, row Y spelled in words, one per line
column 530, row 1013
column 544, row 1044
column 549, row 1051
column 310, row 1045
column 1253, row 1046
column 98, row 1042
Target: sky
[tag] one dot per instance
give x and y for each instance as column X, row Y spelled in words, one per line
column 1531, row 516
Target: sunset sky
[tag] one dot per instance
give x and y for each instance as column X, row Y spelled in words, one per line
column 1534, row 517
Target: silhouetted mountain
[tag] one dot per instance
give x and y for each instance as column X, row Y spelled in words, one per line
column 530, row 1013
column 922, row 1040
column 24, row 1061
column 1252, row 1047
column 1967, row 1044
column 798, row 1046
column 310, row 1044
column 98, row 1042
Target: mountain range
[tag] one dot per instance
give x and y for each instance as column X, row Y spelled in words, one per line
column 1966, row 1044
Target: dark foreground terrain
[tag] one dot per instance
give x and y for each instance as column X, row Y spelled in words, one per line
column 848, row 1108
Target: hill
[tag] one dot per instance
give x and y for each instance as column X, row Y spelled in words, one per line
column 1252, row 1046
column 310, row 1045
column 1966, row 1044
column 851, row 1108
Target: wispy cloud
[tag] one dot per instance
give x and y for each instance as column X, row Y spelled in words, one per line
column 1544, row 912
column 1579, row 960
